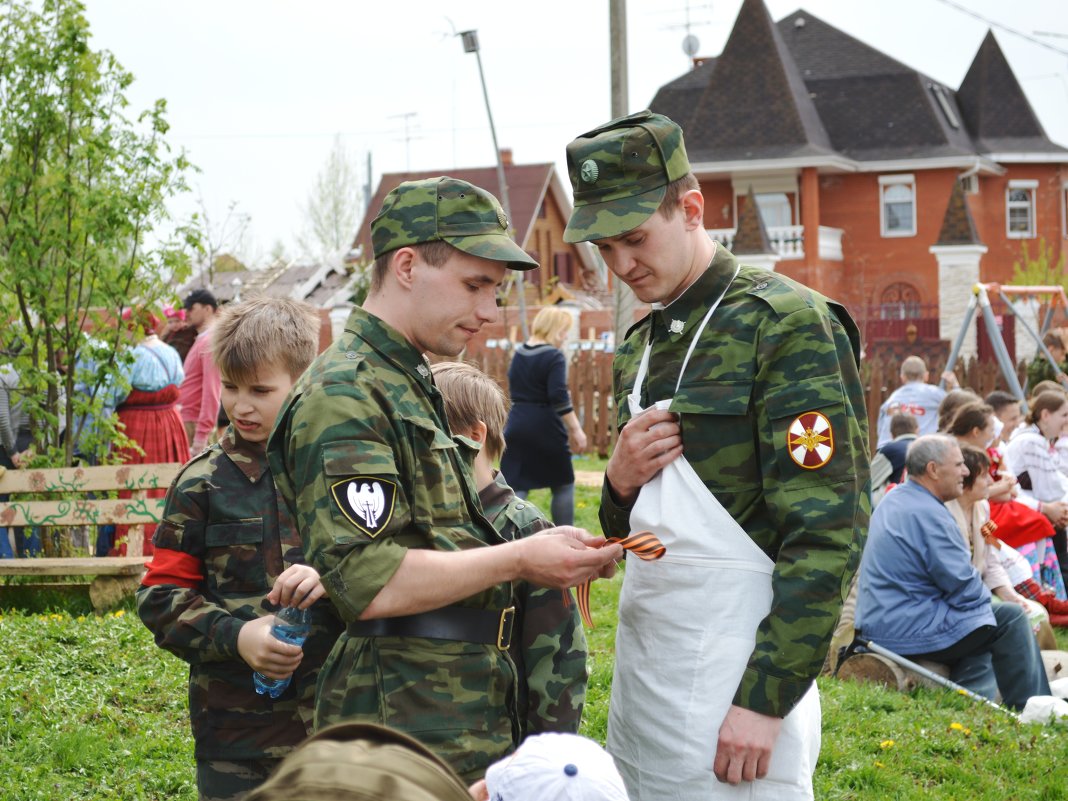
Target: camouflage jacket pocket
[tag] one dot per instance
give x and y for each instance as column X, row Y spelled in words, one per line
column 233, row 557
column 437, row 486
column 717, row 433
column 810, row 430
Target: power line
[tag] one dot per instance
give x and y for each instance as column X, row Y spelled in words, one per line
column 1003, row 27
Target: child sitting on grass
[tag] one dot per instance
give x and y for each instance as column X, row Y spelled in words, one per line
column 548, row 645
column 227, row 554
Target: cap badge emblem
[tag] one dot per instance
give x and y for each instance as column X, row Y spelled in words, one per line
column 589, row 171
column 676, row 327
column 502, row 218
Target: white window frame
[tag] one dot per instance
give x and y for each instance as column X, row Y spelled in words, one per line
column 1030, row 187
column 886, row 182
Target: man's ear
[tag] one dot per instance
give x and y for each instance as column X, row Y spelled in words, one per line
column 692, row 204
column 401, row 266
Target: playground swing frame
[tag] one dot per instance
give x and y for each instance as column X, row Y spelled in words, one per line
column 981, row 299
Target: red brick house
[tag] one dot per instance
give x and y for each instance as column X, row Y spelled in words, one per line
column 853, row 158
column 540, row 209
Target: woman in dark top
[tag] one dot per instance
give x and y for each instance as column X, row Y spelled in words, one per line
column 542, row 424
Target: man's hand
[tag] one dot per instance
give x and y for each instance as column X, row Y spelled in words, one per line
column 297, row 583
column 264, row 652
column 745, row 742
column 646, row 444
column 1057, row 512
column 566, row 556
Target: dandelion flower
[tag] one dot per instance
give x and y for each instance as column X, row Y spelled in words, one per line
column 956, row 726
column 886, row 744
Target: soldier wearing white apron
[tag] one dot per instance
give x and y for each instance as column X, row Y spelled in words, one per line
column 743, row 446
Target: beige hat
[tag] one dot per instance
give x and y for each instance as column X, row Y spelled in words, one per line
column 556, row 767
column 361, row 762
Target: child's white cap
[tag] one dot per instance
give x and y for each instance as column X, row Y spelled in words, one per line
column 556, row 767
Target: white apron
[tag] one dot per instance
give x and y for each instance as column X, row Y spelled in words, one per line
column 687, row 625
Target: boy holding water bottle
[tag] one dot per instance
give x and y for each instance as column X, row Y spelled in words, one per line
column 228, row 556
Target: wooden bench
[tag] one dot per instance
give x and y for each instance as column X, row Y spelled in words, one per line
column 114, row 577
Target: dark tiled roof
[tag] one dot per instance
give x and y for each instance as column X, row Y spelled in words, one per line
column 755, row 104
column 527, row 185
column 958, row 227
column 751, row 237
column 801, row 87
column 873, row 106
column 995, row 107
column 679, row 98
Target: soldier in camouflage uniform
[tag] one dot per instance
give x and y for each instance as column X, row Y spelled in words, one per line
column 386, row 505
column 549, row 649
column 768, row 409
column 227, row 551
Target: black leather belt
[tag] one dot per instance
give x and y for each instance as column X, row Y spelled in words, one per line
column 489, row 626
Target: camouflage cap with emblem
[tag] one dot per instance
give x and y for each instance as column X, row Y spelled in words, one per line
column 361, row 762
column 448, row 210
column 620, row 172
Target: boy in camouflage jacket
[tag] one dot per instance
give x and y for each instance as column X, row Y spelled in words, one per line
column 228, row 553
column 550, row 649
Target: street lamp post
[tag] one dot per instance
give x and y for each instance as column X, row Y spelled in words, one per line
column 470, row 42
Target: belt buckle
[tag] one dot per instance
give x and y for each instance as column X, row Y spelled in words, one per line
column 504, row 628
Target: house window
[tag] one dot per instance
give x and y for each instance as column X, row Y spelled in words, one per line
column 775, row 210
column 897, row 194
column 1020, row 209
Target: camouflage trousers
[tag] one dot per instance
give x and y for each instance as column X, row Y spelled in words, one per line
column 222, row 780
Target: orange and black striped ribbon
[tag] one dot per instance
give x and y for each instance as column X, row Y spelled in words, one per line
column 643, row 544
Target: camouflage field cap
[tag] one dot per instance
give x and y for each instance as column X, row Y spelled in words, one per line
column 620, row 172
column 361, row 762
column 447, row 210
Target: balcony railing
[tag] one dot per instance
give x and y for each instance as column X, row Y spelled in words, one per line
column 789, row 241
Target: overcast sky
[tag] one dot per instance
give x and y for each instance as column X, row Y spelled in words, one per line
column 257, row 90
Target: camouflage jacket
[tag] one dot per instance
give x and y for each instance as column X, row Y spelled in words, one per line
column 1041, row 370
column 363, row 455
column 223, row 540
column 549, row 646
column 773, row 352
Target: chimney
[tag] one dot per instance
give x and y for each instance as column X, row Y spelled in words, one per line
column 506, row 156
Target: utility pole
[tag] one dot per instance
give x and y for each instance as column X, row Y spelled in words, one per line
column 626, row 303
column 470, row 42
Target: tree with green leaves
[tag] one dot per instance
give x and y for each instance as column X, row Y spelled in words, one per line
column 1041, row 269
column 83, row 183
column 332, row 211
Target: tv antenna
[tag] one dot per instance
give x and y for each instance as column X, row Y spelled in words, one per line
column 690, row 43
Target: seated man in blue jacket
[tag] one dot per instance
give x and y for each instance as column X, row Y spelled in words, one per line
column 921, row 597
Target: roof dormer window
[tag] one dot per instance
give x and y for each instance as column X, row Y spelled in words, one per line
column 943, row 101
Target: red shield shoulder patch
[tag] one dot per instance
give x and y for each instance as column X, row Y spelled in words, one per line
column 810, row 440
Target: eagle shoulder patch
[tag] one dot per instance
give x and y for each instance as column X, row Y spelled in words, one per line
column 366, row 502
column 810, row 440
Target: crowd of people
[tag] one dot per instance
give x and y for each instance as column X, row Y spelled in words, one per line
column 444, row 655
column 965, row 562
column 167, row 378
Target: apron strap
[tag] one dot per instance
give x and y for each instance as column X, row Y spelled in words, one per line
column 643, row 367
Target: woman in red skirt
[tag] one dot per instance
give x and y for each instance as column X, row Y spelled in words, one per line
column 150, row 413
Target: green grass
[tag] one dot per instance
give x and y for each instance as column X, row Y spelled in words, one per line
column 90, row 708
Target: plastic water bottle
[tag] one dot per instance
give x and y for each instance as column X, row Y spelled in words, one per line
column 292, row 626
